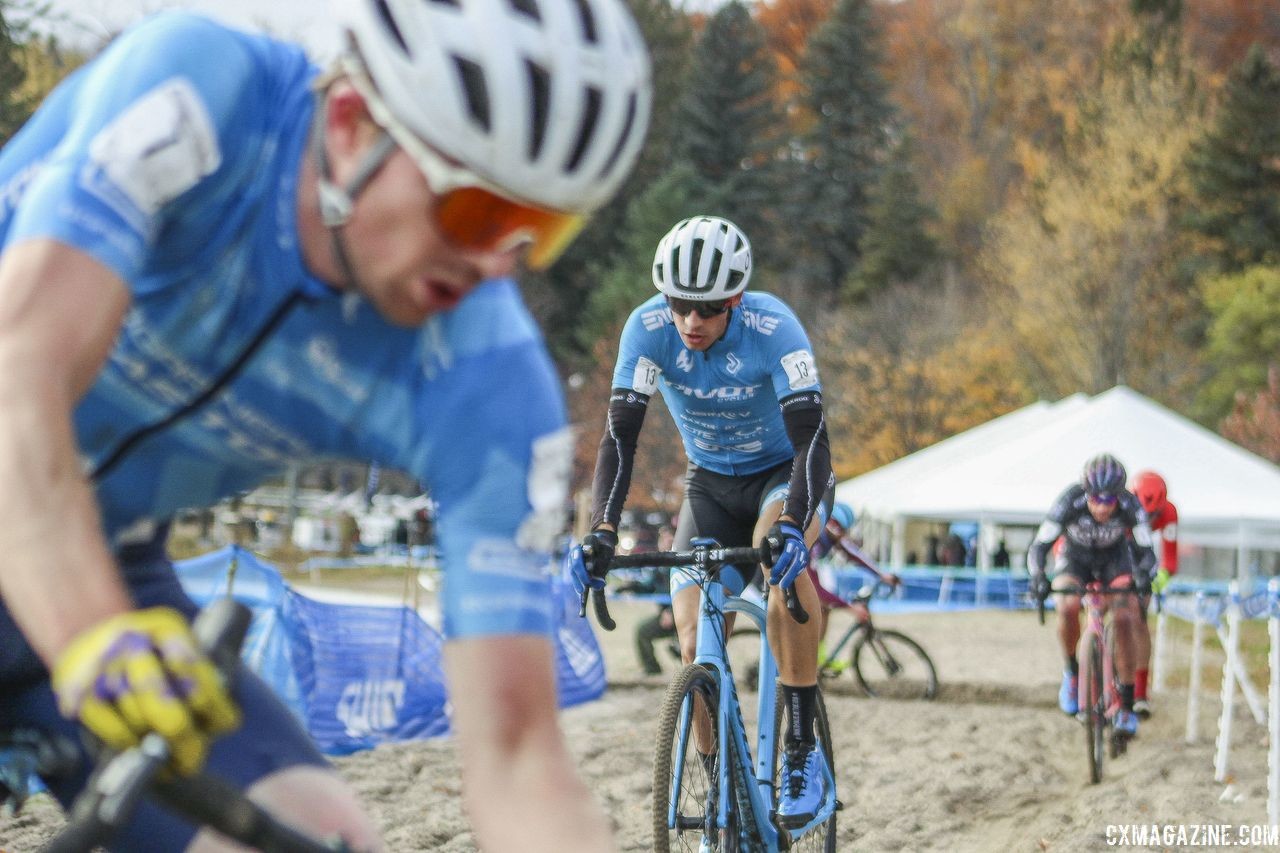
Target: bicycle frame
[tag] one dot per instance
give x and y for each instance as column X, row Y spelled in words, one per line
column 1094, row 602
column 858, row 626
column 711, row 653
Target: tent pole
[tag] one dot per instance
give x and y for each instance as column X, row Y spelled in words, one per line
column 898, row 554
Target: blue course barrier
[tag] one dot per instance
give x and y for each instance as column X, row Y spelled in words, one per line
column 360, row 675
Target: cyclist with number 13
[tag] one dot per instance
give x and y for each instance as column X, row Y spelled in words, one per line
column 215, row 261
column 738, row 374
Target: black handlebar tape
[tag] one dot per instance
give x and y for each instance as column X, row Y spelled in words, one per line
column 111, row 797
column 220, row 630
column 676, row 559
column 794, row 607
column 220, row 805
column 602, row 611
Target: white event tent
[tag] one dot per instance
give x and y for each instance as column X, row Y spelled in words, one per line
column 1008, row 471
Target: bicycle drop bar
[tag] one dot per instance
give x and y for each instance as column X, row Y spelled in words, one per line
column 1083, row 593
column 701, row 559
column 121, row 779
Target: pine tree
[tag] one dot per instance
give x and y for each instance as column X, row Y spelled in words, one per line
column 557, row 296
column 1235, row 169
column 848, row 100
column 727, row 125
column 629, row 281
column 896, row 247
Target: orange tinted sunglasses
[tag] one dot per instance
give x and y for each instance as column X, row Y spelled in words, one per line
column 475, row 215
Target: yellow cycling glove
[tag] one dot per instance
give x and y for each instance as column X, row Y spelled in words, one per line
column 141, row 672
column 1160, row 581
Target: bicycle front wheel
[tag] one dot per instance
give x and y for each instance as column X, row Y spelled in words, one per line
column 1093, row 703
column 686, row 767
column 889, row 664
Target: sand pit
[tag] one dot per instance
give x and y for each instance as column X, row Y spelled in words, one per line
column 992, row 765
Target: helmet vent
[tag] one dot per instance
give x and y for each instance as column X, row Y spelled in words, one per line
column 590, row 116
column 623, row 136
column 390, row 23
column 588, row 22
column 477, row 92
column 528, row 8
column 695, row 258
column 715, row 265
column 540, row 88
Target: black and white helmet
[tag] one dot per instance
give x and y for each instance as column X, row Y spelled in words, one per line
column 704, row 258
column 1103, row 475
column 547, row 99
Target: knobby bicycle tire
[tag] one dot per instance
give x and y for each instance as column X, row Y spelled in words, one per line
column 1094, row 706
column 1114, row 742
column 889, row 664
column 823, row 838
column 695, row 790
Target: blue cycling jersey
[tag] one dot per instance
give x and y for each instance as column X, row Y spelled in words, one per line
column 725, row 399
column 180, row 174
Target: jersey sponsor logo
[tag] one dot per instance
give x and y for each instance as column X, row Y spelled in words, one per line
column 763, row 323
column 726, row 392
column 733, row 364
column 548, row 489
column 370, row 706
column 726, row 414
column 801, row 370
column 683, row 361
column 322, row 355
column 158, row 148
column 745, row 447
column 492, row 556
column 656, row 319
column 1089, row 533
column 645, row 377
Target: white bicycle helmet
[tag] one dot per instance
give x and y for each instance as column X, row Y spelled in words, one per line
column 704, row 258
column 547, row 99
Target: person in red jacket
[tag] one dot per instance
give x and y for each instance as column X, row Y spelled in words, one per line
column 1162, row 516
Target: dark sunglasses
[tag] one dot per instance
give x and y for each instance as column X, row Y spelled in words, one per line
column 1104, row 499
column 705, row 310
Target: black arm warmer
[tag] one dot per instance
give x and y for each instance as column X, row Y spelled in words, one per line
column 617, row 452
column 811, row 474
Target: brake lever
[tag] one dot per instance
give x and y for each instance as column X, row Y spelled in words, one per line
column 789, row 594
column 598, row 601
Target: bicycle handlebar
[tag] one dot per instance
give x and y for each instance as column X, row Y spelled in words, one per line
column 121, row 779
column 700, row 558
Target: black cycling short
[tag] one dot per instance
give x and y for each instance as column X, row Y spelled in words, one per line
column 726, row 507
column 1087, row 565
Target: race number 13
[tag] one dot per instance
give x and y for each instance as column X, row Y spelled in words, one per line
column 801, row 370
column 645, row 379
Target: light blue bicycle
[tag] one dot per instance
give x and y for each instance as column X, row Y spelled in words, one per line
column 709, row 793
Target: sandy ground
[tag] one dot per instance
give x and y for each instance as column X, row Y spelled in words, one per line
column 991, row 765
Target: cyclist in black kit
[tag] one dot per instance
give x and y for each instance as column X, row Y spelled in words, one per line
column 1094, row 518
